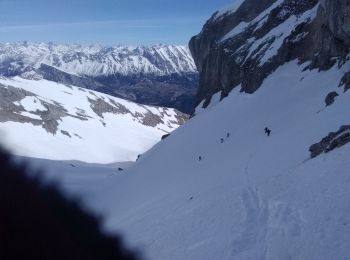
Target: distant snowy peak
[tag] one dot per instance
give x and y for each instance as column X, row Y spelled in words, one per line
column 95, row 60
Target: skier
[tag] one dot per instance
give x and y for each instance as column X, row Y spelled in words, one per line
column 228, row 135
column 222, row 140
column 199, row 158
column 267, row 131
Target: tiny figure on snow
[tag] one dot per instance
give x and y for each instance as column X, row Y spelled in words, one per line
column 199, row 158
column 222, row 140
column 267, row 131
column 228, row 135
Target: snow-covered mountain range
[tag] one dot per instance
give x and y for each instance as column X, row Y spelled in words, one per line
column 44, row 119
column 219, row 187
column 163, row 75
column 158, row 60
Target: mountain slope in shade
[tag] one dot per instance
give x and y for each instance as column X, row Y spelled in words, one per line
column 44, row 119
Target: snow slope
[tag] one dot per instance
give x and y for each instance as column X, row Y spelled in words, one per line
column 75, row 177
column 251, row 197
column 44, row 119
column 96, row 60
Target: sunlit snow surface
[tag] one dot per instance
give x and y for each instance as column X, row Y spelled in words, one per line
column 111, row 138
column 251, row 197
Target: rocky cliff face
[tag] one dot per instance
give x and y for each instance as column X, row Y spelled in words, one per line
column 336, row 14
column 243, row 46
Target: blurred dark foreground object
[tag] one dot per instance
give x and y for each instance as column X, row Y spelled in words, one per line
column 37, row 222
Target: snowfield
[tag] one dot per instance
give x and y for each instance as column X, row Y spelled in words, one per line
column 60, row 122
column 250, row 197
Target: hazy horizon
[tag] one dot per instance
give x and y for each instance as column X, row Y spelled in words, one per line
column 102, row 45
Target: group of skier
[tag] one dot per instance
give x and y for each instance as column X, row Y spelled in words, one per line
column 267, row 132
column 221, row 140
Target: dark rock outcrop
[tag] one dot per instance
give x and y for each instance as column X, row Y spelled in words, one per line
column 345, row 81
column 330, row 99
column 332, row 141
column 242, row 48
column 165, row 136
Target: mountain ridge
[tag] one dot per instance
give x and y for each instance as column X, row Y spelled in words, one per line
column 96, row 60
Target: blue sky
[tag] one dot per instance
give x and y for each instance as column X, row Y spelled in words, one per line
column 106, row 22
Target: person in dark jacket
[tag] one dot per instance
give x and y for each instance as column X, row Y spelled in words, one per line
column 267, row 131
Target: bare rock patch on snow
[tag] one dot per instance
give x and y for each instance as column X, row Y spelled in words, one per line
column 332, row 141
